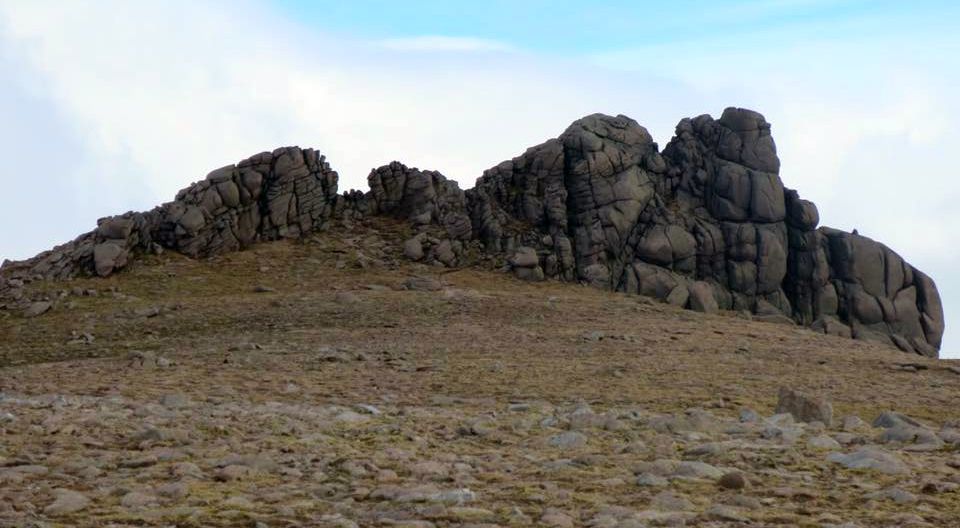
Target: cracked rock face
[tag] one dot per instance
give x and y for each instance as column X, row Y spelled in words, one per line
column 705, row 224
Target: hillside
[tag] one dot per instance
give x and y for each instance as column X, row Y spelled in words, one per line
column 706, row 224
column 330, row 381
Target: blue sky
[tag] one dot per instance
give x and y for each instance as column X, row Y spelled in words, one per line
column 116, row 105
column 581, row 28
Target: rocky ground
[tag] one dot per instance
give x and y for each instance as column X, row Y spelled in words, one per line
column 330, row 383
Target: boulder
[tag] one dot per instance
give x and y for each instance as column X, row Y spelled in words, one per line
column 413, row 249
column 804, row 408
column 701, row 297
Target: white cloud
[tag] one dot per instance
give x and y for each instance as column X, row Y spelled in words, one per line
column 442, row 43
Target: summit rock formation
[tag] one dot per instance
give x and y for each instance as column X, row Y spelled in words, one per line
column 706, row 224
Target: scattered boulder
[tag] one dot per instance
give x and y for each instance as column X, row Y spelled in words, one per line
column 66, row 502
column 413, row 249
column 733, row 480
column 804, row 408
column 701, row 298
column 871, row 458
column 568, row 440
column 422, row 284
column 36, row 309
column 899, row 428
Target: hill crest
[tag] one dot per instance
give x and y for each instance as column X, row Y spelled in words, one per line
column 705, row 224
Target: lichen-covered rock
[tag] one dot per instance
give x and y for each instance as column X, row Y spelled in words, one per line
column 705, row 224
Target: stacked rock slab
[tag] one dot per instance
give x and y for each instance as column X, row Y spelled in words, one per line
column 709, row 217
column 705, row 224
column 286, row 193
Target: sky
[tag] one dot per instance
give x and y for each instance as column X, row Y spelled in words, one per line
column 112, row 106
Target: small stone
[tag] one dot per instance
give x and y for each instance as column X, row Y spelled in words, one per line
column 823, row 442
column 871, row 458
column 186, row 469
column 696, row 469
column 897, row 495
column 651, row 480
column 556, row 519
column 174, row 400
column 368, row 409
column 455, row 496
column 387, row 475
column 351, row 417
column 137, row 500
column 749, row 416
column 470, row 514
column 173, row 490
column 733, row 480
column 413, row 249
column 669, row 501
column 525, row 257
column 37, row 309
column 66, row 502
column 853, row 423
column 568, row 440
column 260, row 288
column 238, row 502
column 345, row 297
column 422, row 284
column 232, row 472
column 724, row 513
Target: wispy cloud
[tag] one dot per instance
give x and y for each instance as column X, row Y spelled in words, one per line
column 438, row 43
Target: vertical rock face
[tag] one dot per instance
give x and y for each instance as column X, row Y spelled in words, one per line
column 708, row 216
column 706, row 224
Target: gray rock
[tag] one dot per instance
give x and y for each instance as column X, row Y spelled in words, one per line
column 823, row 442
column 137, row 500
column 422, row 284
column 669, row 501
column 651, row 480
column 444, row 253
column 871, row 458
column 108, row 256
column 66, row 502
column 525, row 257
column 725, row 513
column 37, row 309
column 897, row 495
column 803, row 407
column 174, row 400
column 568, row 440
column 701, row 298
column 697, row 469
column 413, row 249
column 529, row 274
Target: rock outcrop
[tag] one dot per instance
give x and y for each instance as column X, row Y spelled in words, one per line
column 705, row 224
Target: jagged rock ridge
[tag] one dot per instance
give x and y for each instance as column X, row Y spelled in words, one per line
column 706, row 224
